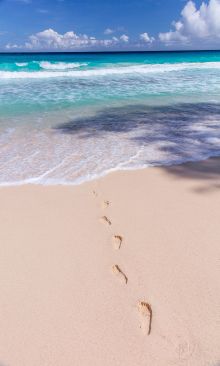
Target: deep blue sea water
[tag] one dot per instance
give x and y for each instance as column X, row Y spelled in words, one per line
column 68, row 118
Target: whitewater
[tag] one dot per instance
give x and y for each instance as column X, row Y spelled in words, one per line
column 53, row 70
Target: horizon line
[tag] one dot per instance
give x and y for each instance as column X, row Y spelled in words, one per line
column 105, row 52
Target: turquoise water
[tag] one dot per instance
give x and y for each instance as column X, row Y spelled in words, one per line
column 67, row 118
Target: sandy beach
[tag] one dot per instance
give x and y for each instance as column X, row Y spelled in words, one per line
column 86, row 272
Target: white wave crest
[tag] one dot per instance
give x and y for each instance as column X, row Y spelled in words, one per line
column 60, row 65
column 21, row 64
column 134, row 69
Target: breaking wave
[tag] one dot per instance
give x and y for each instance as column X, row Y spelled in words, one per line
column 60, row 65
column 64, row 70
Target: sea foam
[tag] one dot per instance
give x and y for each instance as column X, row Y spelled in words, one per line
column 21, row 64
column 134, row 69
column 60, row 65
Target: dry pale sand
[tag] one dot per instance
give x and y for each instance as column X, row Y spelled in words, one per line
column 72, row 294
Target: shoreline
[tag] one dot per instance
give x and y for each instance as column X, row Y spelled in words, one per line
column 28, row 182
column 63, row 301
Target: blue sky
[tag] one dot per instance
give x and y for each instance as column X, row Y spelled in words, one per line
column 37, row 25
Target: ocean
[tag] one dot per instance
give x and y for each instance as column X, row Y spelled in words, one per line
column 66, row 118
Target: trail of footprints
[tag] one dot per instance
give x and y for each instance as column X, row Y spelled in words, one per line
column 144, row 308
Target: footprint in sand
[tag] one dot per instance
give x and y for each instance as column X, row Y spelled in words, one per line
column 117, row 241
column 120, row 274
column 95, row 193
column 105, row 220
column 146, row 314
column 105, row 204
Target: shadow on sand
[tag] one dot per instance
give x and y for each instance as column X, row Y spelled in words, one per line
column 185, row 130
column 206, row 171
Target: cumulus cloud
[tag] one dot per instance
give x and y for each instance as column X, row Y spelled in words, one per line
column 49, row 39
column 146, row 38
column 124, row 38
column 195, row 24
column 108, row 31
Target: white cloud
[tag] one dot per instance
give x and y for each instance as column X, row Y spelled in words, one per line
column 124, row 38
column 195, row 24
column 108, row 31
column 49, row 39
column 146, row 38
column 10, row 46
